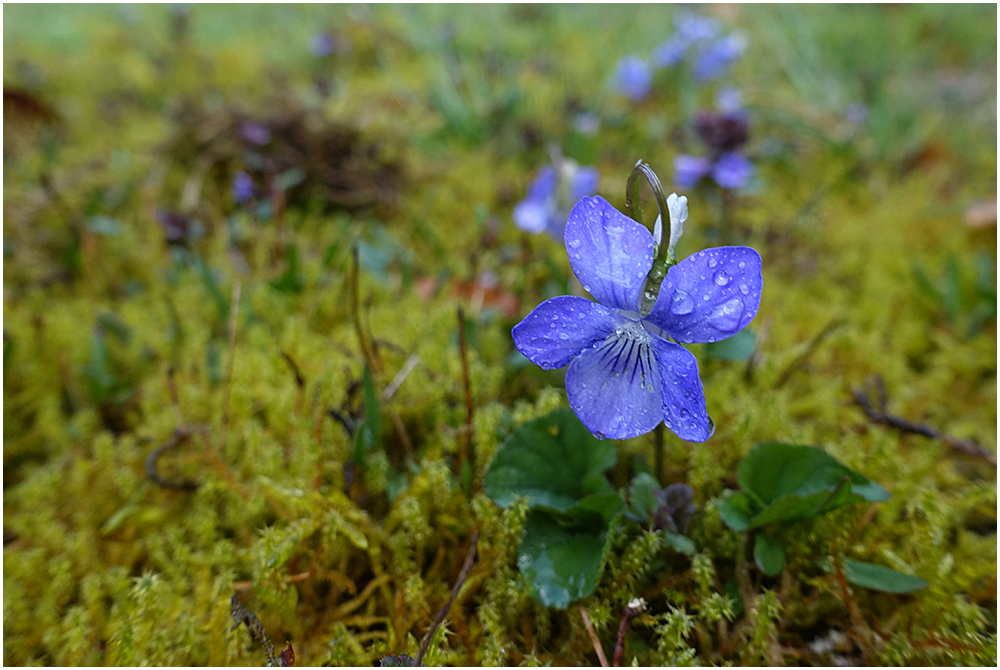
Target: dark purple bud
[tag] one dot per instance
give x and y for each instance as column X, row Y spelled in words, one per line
column 674, row 508
column 175, row 226
column 722, row 132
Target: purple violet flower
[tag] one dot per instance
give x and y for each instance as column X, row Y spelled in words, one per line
column 689, row 170
column 625, row 376
column 243, row 188
column 255, row 133
column 633, row 78
column 717, row 56
column 669, row 53
column 732, row 170
column 544, row 208
column 321, row 44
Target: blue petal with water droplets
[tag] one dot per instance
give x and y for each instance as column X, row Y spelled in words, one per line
column 710, row 295
column 610, row 253
column 614, row 388
column 684, row 409
column 560, row 328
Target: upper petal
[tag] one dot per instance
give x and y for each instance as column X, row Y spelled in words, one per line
column 683, row 397
column 709, row 295
column 614, row 388
column 610, row 253
column 560, row 328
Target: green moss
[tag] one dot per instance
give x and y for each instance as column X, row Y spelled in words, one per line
column 106, row 323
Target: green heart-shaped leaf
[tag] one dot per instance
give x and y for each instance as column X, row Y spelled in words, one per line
column 560, row 554
column 553, row 461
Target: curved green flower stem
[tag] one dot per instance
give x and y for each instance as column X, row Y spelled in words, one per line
column 663, row 261
column 665, row 257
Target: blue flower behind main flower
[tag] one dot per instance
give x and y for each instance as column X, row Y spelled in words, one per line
column 698, row 36
column 724, row 135
column 628, row 372
column 550, row 194
column 633, row 78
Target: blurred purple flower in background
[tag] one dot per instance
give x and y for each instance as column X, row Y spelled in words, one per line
column 243, row 188
column 857, row 112
column 551, row 194
column 717, row 56
column 698, row 36
column 633, row 78
column 723, row 134
column 255, row 133
column 321, row 44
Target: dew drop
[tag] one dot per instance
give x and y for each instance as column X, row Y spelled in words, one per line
column 574, row 243
column 727, row 315
column 720, row 278
column 705, row 297
column 681, row 304
column 586, row 288
column 712, row 262
column 563, row 336
column 744, row 289
column 742, row 265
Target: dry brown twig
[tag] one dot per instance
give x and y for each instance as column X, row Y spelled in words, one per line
column 873, row 400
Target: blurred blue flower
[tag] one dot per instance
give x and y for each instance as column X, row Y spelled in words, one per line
column 243, row 188
column 255, row 133
column 625, row 376
column 732, row 170
column 723, row 134
column 729, row 100
column 857, row 112
column 633, row 78
column 698, row 36
column 321, row 44
column 551, row 194
column 587, row 123
column 669, row 53
column 713, row 60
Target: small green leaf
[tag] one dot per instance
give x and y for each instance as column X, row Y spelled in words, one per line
column 795, row 482
column 560, row 555
column 738, row 347
column 736, row 510
column 369, row 434
column 768, row 554
column 880, row 578
column 642, row 496
column 679, row 543
column 553, row 461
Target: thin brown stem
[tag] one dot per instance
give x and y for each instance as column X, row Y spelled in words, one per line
column 635, row 607
column 462, row 576
column 593, row 637
column 465, row 453
column 873, row 400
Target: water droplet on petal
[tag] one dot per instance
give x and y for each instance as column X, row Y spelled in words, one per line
column 574, row 243
column 712, row 262
column 563, row 336
column 720, row 278
column 586, row 288
column 744, row 289
column 727, row 315
column 742, row 265
column 681, row 304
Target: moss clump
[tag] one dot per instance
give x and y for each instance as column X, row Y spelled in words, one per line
column 147, row 311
